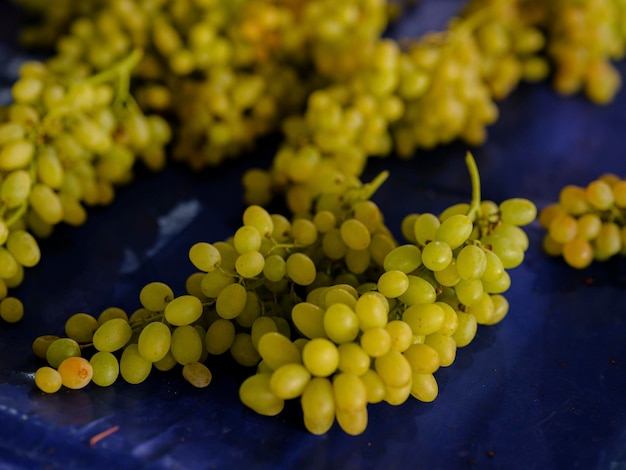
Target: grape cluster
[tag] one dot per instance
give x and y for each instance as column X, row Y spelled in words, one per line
column 326, row 307
column 65, row 145
column 410, row 95
column 587, row 223
column 584, row 38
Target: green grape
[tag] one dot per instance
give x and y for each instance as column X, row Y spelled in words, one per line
column 318, row 405
column 214, row 282
column 608, row 242
column 510, row 253
column 251, row 311
column 513, row 233
column 219, row 336
column 588, row 226
column 46, row 203
column 599, row 194
column 154, row 341
column 375, row 341
column 563, row 228
column 449, row 275
column 260, row 327
column 349, row 392
column 517, row 211
column 353, row 359
column 471, row 262
column 15, row 188
column 578, row 253
column 231, row 301
column 369, row 214
column 483, row 310
column 499, row 286
column 11, row 309
column 445, row 347
column 422, row 358
column 466, row 329
column 338, row 294
column 419, row 291
column 324, row 221
column 61, row 349
column 277, row 350
column 244, row 351
column 48, row 380
column 436, row 255
column 16, row 154
column 425, row 228
column 183, row 310
column 289, row 380
column 134, row 369
column 357, row 261
column 81, row 327
column 340, row 323
column 424, row 319
column 454, row 230
column 275, row 268
column 112, row 335
column 300, row 269
column 451, row 321
column 8, row 264
column 501, row 308
column 372, row 309
column 424, row 387
column 405, row 258
column 321, row 357
column 155, row 296
column 105, row 367
column 393, row 369
column 204, row 256
column 167, row 363
column 250, row 264
column 333, row 245
column 393, row 284
column 247, row 238
column 493, row 267
column 255, row 393
column 304, row 232
column 308, row 319
column 469, row 292
column 355, row 234
column 41, row 344
column 400, row 334
column 186, row 344
column 197, row 374
column 374, row 386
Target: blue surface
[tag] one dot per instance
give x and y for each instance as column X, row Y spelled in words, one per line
column 544, row 389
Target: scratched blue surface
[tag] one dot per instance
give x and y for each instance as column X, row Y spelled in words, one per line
column 544, row 389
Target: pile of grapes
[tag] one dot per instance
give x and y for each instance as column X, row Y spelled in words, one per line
column 324, row 304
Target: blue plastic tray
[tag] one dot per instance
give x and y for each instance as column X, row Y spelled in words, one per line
column 544, row 389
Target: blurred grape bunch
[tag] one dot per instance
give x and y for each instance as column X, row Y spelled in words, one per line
column 64, row 145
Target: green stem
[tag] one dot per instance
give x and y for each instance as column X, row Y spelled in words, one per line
column 371, row 187
column 122, row 68
column 474, row 210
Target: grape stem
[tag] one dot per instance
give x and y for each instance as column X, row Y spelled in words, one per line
column 474, row 209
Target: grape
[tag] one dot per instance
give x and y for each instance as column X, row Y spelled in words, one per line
column 219, row 336
column 81, row 327
column 186, row 344
column 454, row 230
column 422, row 358
column 400, row 334
column 340, row 323
column 308, row 319
column 405, row 258
column 76, row 372
column 250, row 264
column 393, row 369
column 11, row 309
column 41, row 343
column 255, row 393
column 154, row 341
column 424, row 319
column 105, row 368
column 371, row 309
column 289, row 380
column 353, row 358
column 419, row 291
column 277, row 350
column 204, row 256
column 183, row 310
column 300, row 269
column 155, row 296
column 355, row 234
column 48, row 380
column 393, row 283
column 318, row 405
column 112, row 335
column 231, row 301
column 61, row 349
column 517, row 211
column 134, row 369
column 321, row 357
column 436, row 255
column 244, row 351
column 197, row 374
column 424, row 387
column 471, row 262
column 375, row 341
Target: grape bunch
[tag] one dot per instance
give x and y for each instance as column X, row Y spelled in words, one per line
column 326, row 307
column 65, row 145
column 587, row 223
